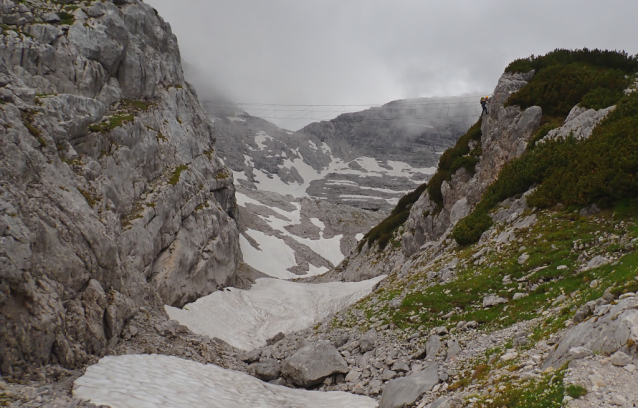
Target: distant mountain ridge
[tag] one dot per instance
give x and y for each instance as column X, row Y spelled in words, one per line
column 366, row 159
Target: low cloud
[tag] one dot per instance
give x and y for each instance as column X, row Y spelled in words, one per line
column 374, row 51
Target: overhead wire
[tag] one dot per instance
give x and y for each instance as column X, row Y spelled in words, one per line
column 308, row 111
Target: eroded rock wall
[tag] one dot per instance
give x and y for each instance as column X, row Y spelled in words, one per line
column 506, row 131
column 111, row 195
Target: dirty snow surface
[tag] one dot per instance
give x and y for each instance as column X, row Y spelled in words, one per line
column 155, row 381
column 246, row 318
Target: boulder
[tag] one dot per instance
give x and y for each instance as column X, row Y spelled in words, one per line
column 368, row 341
column 596, row 262
column 341, row 340
column 404, row 392
column 268, row 370
column 453, row 349
column 276, row 338
column 313, row 363
column 620, row 359
column 577, row 353
column 432, row 346
column 401, row 366
column 492, row 300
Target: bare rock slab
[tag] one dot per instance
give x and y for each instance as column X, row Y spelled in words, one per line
column 313, row 363
column 404, row 392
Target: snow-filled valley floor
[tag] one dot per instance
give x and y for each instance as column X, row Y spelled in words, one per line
column 246, row 318
column 155, row 381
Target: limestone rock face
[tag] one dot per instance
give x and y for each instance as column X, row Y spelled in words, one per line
column 312, row 363
column 111, row 195
column 506, row 131
column 614, row 330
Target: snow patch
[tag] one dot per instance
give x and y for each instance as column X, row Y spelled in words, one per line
column 260, row 139
column 246, row 318
column 156, row 381
column 273, row 257
column 318, row 223
column 359, row 236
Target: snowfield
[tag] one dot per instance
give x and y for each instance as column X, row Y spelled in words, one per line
column 274, row 256
column 155, row 381
column 246, row 318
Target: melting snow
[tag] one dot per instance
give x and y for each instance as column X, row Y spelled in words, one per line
column 260, row 139
column 155, row 381
column 359, row 236
column 318, row 223
column 236, row 119
column 273, row 257
column 246, row 318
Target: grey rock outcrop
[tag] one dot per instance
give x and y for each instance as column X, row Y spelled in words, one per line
column 615, row 330
column 580, row 123
column 312, row 363
column 111, row 195
column 505, row 132
column 404, row 392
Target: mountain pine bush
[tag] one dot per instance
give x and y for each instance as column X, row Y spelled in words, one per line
column 602, row 169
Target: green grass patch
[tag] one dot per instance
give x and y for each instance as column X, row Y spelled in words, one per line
column 66, row 18
column 549, row 245
column 176, row 175
column 575, row 391
column 547, row 392
column 137, row 104
column 112, row 123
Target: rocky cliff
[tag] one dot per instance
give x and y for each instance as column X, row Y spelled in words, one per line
column 111, row 194
column 505, row 133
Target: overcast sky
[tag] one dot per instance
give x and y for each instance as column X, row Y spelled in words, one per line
column 344, row 52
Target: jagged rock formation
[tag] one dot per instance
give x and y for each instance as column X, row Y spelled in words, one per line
column 366, row 159
column 111, row 195
column 506, row 131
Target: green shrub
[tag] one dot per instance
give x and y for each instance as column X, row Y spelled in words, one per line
column 575, row 391
column 453, row 159
column 599, row 58
column 176, row 175
column 547, row 125
column 602, row 169
column 470, row 228
column 384, row 231
column 601, row 98
column 66, row 18
column 557, row 88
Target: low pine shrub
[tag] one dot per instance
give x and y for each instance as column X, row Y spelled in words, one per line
column 602, row 169
column 453, row 159
column 557, row 88
column 600, row 58
column 385, row 230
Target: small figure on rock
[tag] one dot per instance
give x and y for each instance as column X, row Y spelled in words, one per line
column 484, row 102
